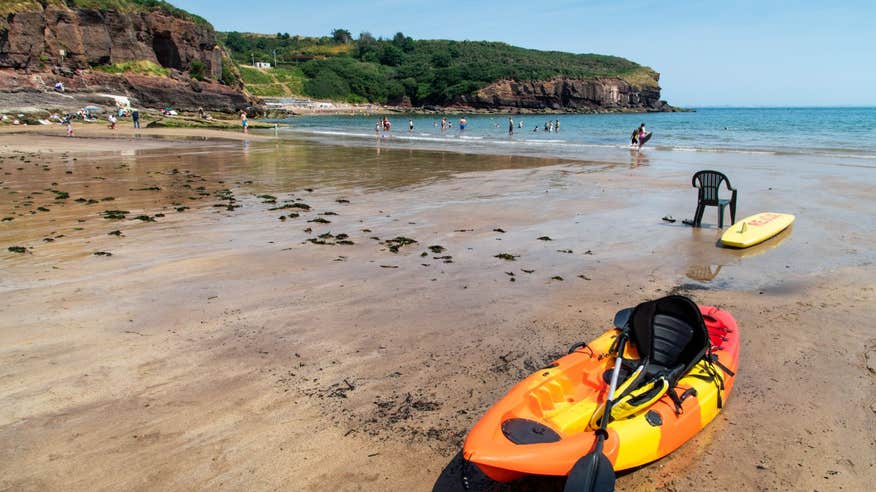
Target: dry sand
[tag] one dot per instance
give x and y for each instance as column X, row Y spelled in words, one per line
column 218, row 349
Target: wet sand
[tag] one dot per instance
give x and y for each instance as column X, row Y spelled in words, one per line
column 218, row 347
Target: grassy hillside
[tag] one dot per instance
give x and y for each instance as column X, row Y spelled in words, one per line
column 277, row 82
column 13, row 6
column 424, row 71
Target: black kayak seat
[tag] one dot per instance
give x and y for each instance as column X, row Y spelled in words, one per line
column 670, row 335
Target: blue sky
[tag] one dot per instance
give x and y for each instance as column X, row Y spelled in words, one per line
column 709, row 53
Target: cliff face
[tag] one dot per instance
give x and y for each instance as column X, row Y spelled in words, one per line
column 60, row 43
column 564, row 94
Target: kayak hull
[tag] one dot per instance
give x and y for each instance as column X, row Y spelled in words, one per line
column 563, row 397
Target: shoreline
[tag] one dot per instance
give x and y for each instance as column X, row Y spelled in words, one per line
column 98, row 138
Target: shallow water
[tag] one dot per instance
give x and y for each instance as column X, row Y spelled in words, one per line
column 611, row 207
column 837, row 132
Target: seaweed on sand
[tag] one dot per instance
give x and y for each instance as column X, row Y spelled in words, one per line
column 506, row 256
column 115, row 214
column 397, row 242
column 17, row 249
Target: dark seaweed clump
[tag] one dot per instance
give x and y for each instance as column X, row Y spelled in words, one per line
column 17, row 249
column 115, row 214
column 506, row 256
column 397, row 242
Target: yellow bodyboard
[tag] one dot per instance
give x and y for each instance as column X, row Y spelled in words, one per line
column 756, row 229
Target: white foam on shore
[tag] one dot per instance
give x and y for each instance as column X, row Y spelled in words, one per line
column 550, row 147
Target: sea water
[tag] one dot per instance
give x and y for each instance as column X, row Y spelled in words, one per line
column 836, row 132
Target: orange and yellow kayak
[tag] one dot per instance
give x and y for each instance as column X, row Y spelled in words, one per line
column 548, row 414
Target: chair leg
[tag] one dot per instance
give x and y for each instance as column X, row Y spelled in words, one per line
column 733, row 212
column 698, row 215
column 721, row 216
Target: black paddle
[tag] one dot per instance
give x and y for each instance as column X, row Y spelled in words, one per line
column 593, row 471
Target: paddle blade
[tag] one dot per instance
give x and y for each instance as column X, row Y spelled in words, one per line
column 591, row 473
column 622, row 318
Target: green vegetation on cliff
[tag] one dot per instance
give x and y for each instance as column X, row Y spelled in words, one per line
column 391, row 70
column 14, row 6
column 141, row 67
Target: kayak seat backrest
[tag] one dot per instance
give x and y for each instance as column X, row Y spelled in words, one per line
column 671, row 338
column 670, row 334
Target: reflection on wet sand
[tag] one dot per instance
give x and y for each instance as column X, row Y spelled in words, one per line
column 638, row 158
column 759, row 249
column 705, row 265
column 703, row 273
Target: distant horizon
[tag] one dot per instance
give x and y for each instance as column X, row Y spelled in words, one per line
column 744, row 54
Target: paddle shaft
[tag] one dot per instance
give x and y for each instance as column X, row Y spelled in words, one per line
column 613, row 386
column 593, row 472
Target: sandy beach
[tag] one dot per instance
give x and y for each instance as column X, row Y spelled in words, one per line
column 197, row 309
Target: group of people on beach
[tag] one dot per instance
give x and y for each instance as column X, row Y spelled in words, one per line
column 638, row 138
column 549, row 126
column 384, row 125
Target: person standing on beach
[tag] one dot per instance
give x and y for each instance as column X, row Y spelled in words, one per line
column 510, row 126
column 443, row 123
column 462, row 123
column 557, row 126
column 634, row 138
column 244, row 122
column 135, row 116
column 69, row 126
column 410, row 126
column 112, row 121
column 642, row 134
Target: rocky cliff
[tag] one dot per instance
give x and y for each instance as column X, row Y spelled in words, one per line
column 565, row 94
column 48, row 41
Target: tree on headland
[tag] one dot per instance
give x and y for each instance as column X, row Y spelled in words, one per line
column 342, row 36
column 405, row 43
